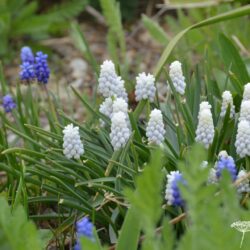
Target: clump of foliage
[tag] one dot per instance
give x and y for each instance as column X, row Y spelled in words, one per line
column 20, row 19
column 16, row 232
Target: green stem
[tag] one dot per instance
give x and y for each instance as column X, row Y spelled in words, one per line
column 148, row 109
column 52, row 108
column 139, row 109
column 248, row 163
column 84, row 171
column 2, row 80
column 114, row 157
column 242, row 238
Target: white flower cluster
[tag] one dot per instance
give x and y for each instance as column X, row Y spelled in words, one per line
column 242, row 142
column 245, row 111
column 204, row 105
column 145, row 87
column 106, row 108
column 246, row 94
column 223, row 153
column 176, row 75
column 205, row 128
column 120, row 131
column 227, row 100
column 172, row 192
column 72, row 145
column 120, row 104
column 212, row 178
column 244, row 186
column 155, row 129
column 109, row 107
column 110, row 84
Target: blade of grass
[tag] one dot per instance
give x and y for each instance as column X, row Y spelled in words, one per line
column 245, row 10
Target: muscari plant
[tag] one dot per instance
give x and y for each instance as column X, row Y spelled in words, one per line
column 80, row 169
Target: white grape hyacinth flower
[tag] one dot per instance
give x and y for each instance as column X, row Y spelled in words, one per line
column 223, row 153
column 245, row 111
column 155, row 129
column 72, row 145
column 145, row 87
column 212, row 178
column 120, row 131
column 242, row 142
column 246, row 94
column 204, row 164
column 227, row 100
column 176, row 75
column 205, row 128
column 106, row 108
column 244, row 186
column 109, row 83
column 119, row 104
column 204, row 105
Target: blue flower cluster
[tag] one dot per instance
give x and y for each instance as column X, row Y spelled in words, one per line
column 27, row 55
column 224, row 163
column 41, row 68
column 227, row 163
column 27, row 72
column 84, row 227
column 34, row 67
column 173, row 194
column 8, row 103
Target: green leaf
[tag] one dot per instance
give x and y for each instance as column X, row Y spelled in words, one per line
column 46, row 235
column 233, row 60
column 155, row 30
column 89, row 107
column 83, row 46
column 26, row 11
column 245, row 10
column 66, row 10
column 24, row 151
column 2, row 80
column 130, row 230
column 14, row 228
column 88, row 244
column 35, row 24
column 111, row 11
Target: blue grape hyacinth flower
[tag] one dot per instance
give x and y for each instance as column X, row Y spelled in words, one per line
column 226, row 162
column 42, row 70
column 84, row 227
column 8, row 103
column 27, row 72
column 27, row 55
column 172, row 193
